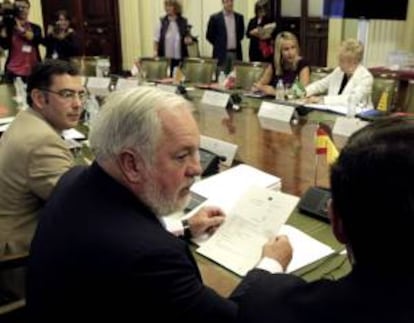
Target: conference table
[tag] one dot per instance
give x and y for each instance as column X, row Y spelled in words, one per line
column 288, row 153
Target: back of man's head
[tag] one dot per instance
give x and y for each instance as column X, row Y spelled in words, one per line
column 43, row 72
column 373, row 192
column 130, row 119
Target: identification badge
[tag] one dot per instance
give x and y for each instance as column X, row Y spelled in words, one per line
column 26, row 49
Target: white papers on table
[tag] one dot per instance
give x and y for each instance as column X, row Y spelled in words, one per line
column 122, row 83
column 306, row 249
column 255, row 217
column 6, row 120
column 225, row 188
column 98, row 85
column 5, row 123
column 332, row 108
column 73, row 134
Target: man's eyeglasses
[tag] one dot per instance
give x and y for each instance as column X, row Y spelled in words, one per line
column 69, row 95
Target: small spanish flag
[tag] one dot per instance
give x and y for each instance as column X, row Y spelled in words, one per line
column 325, row 146
column 383, row 102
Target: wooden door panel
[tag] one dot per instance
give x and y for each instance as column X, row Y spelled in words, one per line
column 97, row 24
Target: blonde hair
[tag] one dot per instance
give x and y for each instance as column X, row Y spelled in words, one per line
column 278, row 59
column 352, row 48
column 176, row 5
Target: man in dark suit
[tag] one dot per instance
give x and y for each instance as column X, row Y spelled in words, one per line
column 102, row 251
column 225, row 32
column 372, row 212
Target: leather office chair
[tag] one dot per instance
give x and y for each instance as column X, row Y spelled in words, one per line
column 154, row 68
column 85, row 64
column 199, row 70
column 409, row 98
column 193, row 50
column 248, row 73
column 12, row 305
column 384, row 83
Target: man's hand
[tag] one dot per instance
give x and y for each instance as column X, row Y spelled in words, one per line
column 207, row 220
column 279, row 248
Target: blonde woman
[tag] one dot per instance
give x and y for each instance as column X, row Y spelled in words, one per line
column 287, row 66
column 350, row 77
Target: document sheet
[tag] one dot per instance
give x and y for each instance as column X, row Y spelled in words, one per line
column 256, row 217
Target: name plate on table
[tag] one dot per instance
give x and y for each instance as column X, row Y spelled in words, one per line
column 220, row 148
column 167, row 88
column 347, row 126
column 217, row 99
column 276, row 111
column 99, row 85
column 123, row 84
column 275, row 125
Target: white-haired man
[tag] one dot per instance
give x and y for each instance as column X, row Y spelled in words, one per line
column 101, row 250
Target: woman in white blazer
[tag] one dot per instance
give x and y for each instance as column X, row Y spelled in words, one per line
column 349, row 78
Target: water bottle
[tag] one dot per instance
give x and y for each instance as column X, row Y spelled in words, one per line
column 91, row 110
column 103, row 67
column 280, row 90
column 221, row 79
column 20, row 89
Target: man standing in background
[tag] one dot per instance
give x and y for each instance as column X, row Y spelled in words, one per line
column 225, row 31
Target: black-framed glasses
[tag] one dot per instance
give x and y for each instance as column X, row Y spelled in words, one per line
column 69, row 95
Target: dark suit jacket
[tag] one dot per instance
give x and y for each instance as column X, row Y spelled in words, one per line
column 99, row 254
column 362, row 296
column 217, row 36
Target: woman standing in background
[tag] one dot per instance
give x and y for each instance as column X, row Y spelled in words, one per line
column 261, row 46
column 171, row 36
column 60, row 40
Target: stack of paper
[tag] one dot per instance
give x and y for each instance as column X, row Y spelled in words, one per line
column 225, row 188
column 306, row 249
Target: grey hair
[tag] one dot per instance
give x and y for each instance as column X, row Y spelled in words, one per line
column 352, row 48
column 130, row 119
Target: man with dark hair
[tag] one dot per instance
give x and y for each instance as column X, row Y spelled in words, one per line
column 372, row 212
column 33, row 154
column 22, row 39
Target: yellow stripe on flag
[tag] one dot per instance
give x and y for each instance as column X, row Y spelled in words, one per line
column 331, row 151
column 383, row 102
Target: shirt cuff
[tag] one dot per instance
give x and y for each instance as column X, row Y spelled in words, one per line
column 174, row 226
column 271, row 265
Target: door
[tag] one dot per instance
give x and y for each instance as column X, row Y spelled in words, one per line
column 97, row 24
column 305, row 19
